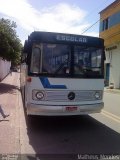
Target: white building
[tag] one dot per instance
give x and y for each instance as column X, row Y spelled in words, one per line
column 4, row 68
column 110, row 32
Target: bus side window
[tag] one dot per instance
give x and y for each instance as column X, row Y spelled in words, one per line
column 35, row 62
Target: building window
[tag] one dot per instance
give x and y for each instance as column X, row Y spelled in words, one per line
column 109, row 22
column 105, row 24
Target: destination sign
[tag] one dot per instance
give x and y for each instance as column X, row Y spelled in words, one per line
column 71, row 38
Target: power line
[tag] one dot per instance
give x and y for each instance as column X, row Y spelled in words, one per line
column 96, row 9
column 95, row 23
column 90, row 15
column 90, row 26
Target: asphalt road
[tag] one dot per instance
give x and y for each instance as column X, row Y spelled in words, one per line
column 92, row 134
column 110, row 115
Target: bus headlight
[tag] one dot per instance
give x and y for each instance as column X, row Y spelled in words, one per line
column 39, row 95
column 98, row 95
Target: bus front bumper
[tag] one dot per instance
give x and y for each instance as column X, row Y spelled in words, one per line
column 44, row 110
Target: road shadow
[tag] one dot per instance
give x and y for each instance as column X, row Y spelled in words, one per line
column 71, row 135
column 8, row 88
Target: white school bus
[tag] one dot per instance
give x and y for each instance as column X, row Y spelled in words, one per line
column 62, row 74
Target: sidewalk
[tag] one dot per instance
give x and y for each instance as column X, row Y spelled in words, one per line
column 9, row 127
column 116, row 91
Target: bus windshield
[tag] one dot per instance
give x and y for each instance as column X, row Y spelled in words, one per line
column 61, row 59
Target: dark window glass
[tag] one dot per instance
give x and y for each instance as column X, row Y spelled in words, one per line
column 55, row 59
column 35, row 61
column 105, row 24
column 87, row 60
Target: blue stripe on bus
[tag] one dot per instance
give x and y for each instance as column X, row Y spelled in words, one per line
column 46, row 84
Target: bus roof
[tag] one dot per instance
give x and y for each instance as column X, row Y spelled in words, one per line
column 52, row 37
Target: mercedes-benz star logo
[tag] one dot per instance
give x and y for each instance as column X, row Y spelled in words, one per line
column 71, row 96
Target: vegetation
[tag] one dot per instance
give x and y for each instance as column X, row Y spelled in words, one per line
column 10, row 44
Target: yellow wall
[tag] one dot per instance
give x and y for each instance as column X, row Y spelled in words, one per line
column 111, row 35
column 115, row 7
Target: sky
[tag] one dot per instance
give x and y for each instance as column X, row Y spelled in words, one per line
column 64, row 16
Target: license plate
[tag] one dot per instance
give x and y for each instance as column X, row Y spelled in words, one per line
column 71, row 108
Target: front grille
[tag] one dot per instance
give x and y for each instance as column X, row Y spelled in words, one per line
column 62, row 96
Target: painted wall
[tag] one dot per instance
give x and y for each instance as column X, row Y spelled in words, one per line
column 110, row 10
column 4, row 68
column 112, row 33
column 113, row 57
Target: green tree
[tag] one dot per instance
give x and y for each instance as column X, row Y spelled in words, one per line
column 10, row 44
